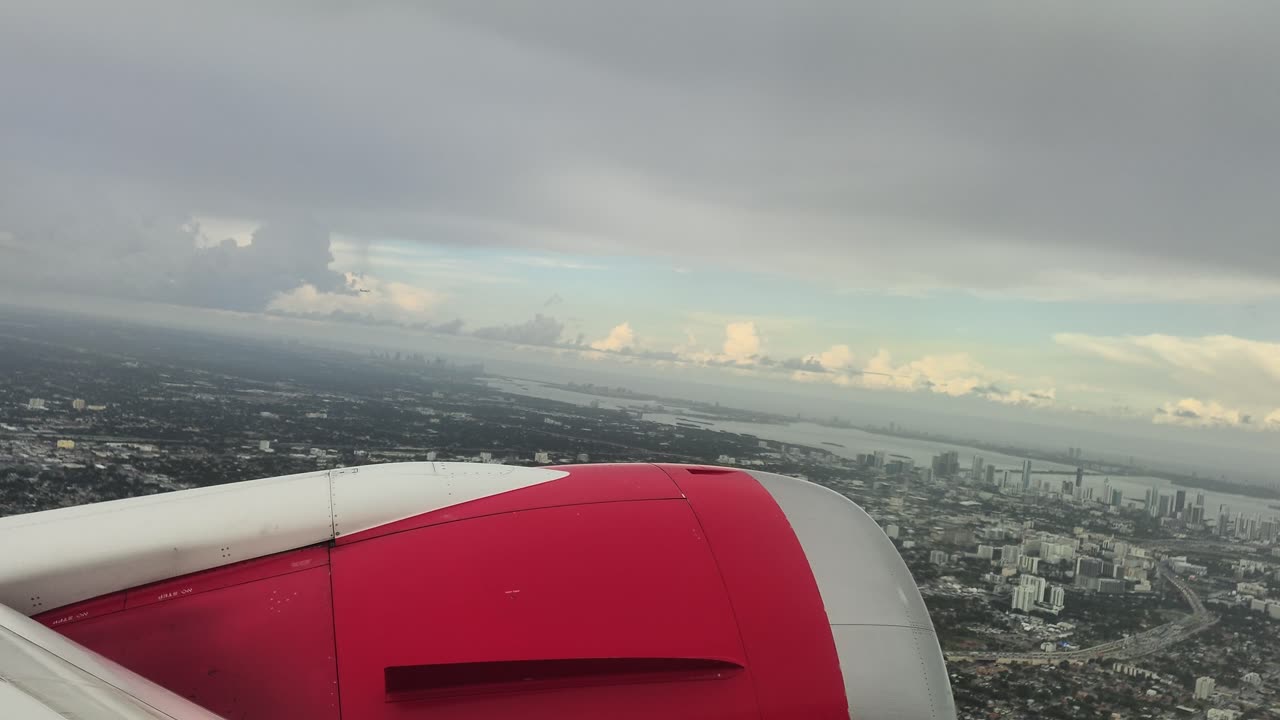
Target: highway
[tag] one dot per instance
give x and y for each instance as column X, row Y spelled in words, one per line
column 1143, row 643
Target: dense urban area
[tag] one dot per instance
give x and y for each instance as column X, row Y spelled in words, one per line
column 1050, row 599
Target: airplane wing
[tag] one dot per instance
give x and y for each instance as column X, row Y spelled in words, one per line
column 44, row 676
column 456, row 591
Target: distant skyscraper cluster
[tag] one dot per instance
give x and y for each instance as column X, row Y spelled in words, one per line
column 947, row 464
column 1033, row 591
column 1179, row 506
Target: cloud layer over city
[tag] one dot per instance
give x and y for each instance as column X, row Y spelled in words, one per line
column 1093, row 188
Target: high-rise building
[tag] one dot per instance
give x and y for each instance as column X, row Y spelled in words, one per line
column 986, row 552
column 892, row 531
column 946, row 464
column 991, row 474
column 264, row 445
column 1038, row 584
column 938, row 557
column 1117, row 497
column 1247, row 527
column 1088, row 567
column 35, row 404
column 1009, row 555
column 1267, row 530
column 1204, row 687
column 1028, row 564
column 1199, row 499
column 1111, row 585
column 1024, row 598
column 1179, row 501
column 1162, row 506
column 878, row 459
column 1149, row 501
column 978, row 465
column 1026, row 474
column 1055, row 552
column 78, row 404
column 1057, row 597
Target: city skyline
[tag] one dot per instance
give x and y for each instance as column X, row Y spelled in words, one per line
column 1048, row 597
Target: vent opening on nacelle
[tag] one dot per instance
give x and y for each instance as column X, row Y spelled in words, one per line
column 417, row 682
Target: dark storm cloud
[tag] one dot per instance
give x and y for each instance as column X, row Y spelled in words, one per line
column 539, row 330
column 982, row 145
column 133, row 247
column 280, row 258
column 449, row 327
column 807, row 364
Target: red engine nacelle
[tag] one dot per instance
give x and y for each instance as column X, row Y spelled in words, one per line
column 627, row 591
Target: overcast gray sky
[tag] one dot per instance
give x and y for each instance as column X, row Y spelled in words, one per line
column 844, row 180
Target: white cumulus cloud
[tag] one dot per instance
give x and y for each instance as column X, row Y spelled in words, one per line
column 741, row 342
column 1192, row 412
column 1208, row 355
column 1237, row 371
column 837, row 357
column 952, row 374
column 618, row 339
column 366, row 296
column 1030, row 398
